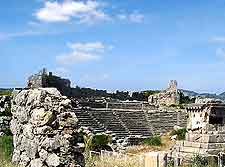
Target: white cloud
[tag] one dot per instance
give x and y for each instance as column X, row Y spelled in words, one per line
column 96, row 46
column 82, row 52
column 122, row 16
column 134, row 17
column 218, row 39
column 4, row 36
column 84, row 11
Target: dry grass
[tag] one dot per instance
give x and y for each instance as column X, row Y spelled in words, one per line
column 4, row 163
column 110, row 161
column 167, row 143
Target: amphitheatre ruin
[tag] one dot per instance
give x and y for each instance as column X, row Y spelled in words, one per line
column 47, row 119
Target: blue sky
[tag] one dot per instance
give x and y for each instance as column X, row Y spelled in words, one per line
column 111, row 44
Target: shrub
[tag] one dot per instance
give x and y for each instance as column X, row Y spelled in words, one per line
column 7, row 112
column 101, row 140
column 97, row 142
column 180, row 133
column 153, row 141
column 199, row 161
column 6, row 147
column 7, row 132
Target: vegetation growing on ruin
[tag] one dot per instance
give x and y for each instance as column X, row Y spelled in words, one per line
column 111, row 161
column 7, row 112
column 166, row 144
column 186, row 99
column 4, row 163
column 180, row 133
column 97, row 142
column 201, row 161
column 153, row 141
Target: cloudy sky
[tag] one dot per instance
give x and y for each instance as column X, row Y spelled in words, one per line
column 111, row 44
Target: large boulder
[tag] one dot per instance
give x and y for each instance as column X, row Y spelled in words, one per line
column 44, row 129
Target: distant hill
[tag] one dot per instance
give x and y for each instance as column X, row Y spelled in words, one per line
column 209, row 95
column 4, row 91
column 188, row 92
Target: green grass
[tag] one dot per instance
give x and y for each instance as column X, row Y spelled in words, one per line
column 6, row 148
column 5, row 92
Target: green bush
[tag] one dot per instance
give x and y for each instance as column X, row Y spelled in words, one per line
column 6, row 147
column 97, row 142
column 153, row 141
column 7, row 132
column 199, row 161
column 7, row 112
column 101, row 140
column 180, row 133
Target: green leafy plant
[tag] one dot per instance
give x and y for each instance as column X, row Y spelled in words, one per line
column 101, row 140
column 88, row 142
column 180, row 133
column 199, row 161
column 153, row 141
column 7, row 132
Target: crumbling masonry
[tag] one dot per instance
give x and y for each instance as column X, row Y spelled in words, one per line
column 168, row 97
column 44, row 131
column 206, row 127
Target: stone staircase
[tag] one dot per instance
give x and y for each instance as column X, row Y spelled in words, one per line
column 124, row 123
column 162, row 121
column 111, row 122
column 87, row 120
column 135, row 121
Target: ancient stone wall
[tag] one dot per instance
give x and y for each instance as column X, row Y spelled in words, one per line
column 44, row 131
column 205, row 130
column 168, row 97
column 43, row 79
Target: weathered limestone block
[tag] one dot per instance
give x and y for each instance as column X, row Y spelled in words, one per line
column 44, row 130
column 205, row 129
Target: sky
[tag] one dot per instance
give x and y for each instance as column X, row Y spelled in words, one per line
column 109, row 44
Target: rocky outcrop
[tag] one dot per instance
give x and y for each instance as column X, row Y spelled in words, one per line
column 44, row 130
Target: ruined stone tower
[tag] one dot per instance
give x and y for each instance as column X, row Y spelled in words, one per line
column 43, row 79
column 168, row 97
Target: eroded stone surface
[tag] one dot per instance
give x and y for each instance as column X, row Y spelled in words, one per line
column 168, row 97
column 44, row 129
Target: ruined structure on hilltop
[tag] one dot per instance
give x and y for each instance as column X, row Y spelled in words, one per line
column 43, row 79
column 45, row 133
column 205, row 130
column 168, row 97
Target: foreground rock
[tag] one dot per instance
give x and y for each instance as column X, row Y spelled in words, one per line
column 44, row 131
